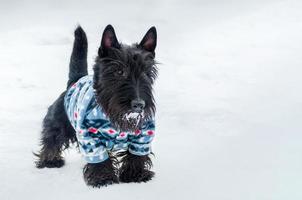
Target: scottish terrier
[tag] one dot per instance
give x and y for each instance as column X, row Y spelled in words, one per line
column 109, row 115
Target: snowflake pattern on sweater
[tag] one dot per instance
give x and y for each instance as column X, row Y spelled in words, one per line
column 94, row 131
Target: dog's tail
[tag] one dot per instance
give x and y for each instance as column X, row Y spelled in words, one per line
column 78, row 59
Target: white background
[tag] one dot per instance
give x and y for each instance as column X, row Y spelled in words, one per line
column 229, row 98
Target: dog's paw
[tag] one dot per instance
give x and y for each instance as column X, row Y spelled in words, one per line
column 50, row 163
column 137, row 177
column 101, row 181
column 100, row 174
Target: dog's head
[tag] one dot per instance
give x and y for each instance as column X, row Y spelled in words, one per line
column 123, row 79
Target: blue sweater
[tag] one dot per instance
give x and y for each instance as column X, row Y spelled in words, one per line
column 94, row 131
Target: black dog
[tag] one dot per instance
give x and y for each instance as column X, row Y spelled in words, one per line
column 122, row 85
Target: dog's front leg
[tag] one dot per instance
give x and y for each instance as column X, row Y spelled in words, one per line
column 135, row 168
column 101, row 174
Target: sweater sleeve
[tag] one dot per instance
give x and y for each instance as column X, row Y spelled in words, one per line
column 140, row 140
column 91, row 146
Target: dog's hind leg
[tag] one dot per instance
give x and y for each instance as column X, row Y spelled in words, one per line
column 56, row 136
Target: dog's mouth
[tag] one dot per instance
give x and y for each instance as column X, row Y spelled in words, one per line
column 133, row 119
column 129, row 121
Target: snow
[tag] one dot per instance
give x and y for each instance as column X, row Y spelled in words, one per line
column 229, row 101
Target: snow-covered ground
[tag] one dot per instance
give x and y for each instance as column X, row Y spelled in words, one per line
column 228, row 96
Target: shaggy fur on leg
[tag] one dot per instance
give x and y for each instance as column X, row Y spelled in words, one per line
column 135, row 168
column 57, row 134
column 101, row 174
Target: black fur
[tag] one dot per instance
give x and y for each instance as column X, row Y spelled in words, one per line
column 135, row 168
column 101, row 174
column 78, row 59
column 57, row 134
column 122, row 73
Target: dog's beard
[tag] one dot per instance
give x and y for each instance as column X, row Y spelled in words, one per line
column 123, row 119
column 129, row 121
column 133, row 118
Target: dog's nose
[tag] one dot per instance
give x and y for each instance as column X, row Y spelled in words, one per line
column 137, row 105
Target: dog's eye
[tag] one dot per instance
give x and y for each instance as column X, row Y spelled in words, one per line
column 120, row 72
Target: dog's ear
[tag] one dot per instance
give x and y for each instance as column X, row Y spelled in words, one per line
column 109, row 40
column 148, row 42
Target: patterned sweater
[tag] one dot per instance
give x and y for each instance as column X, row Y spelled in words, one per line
column 94, row 131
